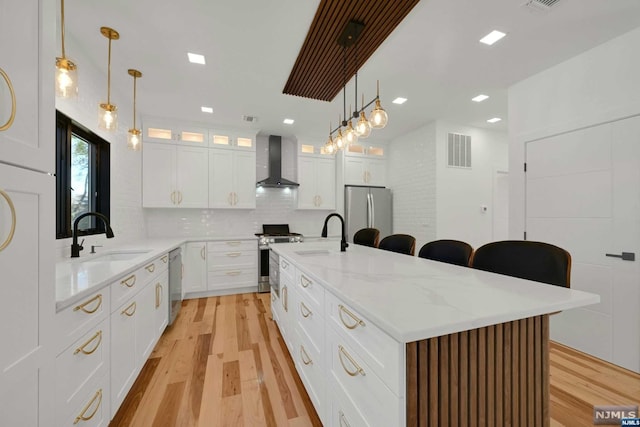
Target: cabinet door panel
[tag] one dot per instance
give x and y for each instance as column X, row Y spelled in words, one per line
column 145, row 323
column 377, row 172
column 123, row 353
column 354, row 171
column 307, row 179
column 220, row 178
column 161, row 287
column 158, row 176
column 326, row 183
column 245, row 179
column 195, row 267
column 192, row 172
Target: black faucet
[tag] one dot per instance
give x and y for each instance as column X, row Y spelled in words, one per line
column 343, row 241
column 75, row 247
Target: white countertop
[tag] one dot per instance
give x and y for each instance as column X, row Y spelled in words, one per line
column 76, row 278
column 411, row 298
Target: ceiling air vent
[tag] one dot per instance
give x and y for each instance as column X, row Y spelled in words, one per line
column 459, row 150
column 250, row 119
column 540, row 5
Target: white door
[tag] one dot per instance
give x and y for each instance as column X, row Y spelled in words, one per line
column 245, row 179
column 500, row 212
column 192, row 177
column 582, row 195
column 158, row 176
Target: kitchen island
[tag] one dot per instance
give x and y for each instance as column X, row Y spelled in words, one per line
column 381, row 338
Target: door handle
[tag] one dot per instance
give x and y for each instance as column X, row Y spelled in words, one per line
column 626, row 256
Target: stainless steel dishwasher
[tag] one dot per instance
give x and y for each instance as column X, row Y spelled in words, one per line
column 175, row 283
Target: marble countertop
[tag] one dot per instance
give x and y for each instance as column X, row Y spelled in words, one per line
column 78, row 277
column 411, row 298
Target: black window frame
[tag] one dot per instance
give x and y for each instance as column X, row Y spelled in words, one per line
column 101, row 157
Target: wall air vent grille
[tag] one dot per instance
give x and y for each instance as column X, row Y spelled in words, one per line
column 459, row 150
column 540, row 5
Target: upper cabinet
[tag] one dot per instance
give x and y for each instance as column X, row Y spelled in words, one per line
column 365, row 165
column 27, row 37
column 232, row 170
column 157, row 131
column 317, row 178
column 174, row 176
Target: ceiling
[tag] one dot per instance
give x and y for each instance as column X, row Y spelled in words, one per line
column 433, row 57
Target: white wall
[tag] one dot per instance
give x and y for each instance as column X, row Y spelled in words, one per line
column 127, row 218
column 412, row 177
column 600, row 85
column 462, row 193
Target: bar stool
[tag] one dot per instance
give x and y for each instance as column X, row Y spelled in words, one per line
column 400, row 243
column 449, row 251
column 367, row 237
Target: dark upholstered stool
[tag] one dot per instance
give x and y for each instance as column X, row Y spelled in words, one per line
column 449, row 251
column 401, row 243
column 367, row 237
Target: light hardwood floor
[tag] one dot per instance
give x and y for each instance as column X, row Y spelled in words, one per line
column 224, row 363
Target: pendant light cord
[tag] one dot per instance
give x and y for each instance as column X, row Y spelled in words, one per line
column 344, row 84
column 62, row 26
column 109, row 75
column 356, row 91
column 134, row 101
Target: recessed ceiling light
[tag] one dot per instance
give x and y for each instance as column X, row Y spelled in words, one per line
column 207, row 110
column 399, row 100
column 288, row 121
column 480, row 98
column 492, row 37
column 195, row 58
column 494, row 120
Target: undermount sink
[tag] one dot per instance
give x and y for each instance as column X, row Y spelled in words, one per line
column 312, row 252
column 117, row 255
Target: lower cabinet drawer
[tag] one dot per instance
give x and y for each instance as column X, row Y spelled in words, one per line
column 309, row 321
column 341, row 411
column 311, row 370
column 90, row 407
column 73, row 322
column 366, row 391
column 85, row 358
column 232, row 278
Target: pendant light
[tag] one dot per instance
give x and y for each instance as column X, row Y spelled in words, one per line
column 66, row 70
column 363, row 127
column 134, row 136
column 107, row 112
column 378, row 117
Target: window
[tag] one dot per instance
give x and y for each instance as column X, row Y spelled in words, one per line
column 82, row 177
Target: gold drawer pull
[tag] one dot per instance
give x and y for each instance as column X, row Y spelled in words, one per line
column 344, row 309
column 234, row 254
column 304, row 281
column 129, row 281
column 234, row 243
column 273, row 297
column 158, row 294
column 179, row 197
column 343, row 420
column 233, row 273
column 165, row 258
column 127, row 310
column 12, row 117
column 202, row 254
column 151, row 268
column 12, row 208
column 82, row 350
column 82, row 417
column 284, row 264
column 358, row 370
column 304, row 308
column 84, row 304
column 304, row 355
column 285, row 299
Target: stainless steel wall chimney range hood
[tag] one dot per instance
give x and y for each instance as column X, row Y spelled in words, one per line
column 275, row 179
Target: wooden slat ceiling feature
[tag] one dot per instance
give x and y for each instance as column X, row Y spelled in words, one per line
column 318, row 70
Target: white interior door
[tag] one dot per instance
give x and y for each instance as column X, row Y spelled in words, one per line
column 583, row 195
column 500, row 217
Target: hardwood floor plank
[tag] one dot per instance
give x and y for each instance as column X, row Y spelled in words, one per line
column 230, row 378
column 231, row 412
column 199, row 314
column 273, row 388
column 128, row 409
column 212, row 393
column 196, row 385
column 242, row 324
column 264, row 393
column 169, row 407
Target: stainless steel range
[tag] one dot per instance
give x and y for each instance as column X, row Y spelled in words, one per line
column 272, row 234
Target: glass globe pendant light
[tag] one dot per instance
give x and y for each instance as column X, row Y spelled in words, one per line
column 378, row 117
column 350, row 135
column 66, row 71
column 134, row 136
column 107, row 112
column 363, row 127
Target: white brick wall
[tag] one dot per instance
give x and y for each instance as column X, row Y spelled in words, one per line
column 412, row 178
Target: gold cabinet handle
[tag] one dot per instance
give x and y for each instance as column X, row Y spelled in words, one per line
column 173, row 197
column 305, row 282
column 305, row 357
column 234, row 254
column 284, row 264
column 165, row 258
column 343, row 420
column 151, row 268
column 202, row 254
column 12, row 208
column 82, row 416
column 319, row 201
column 233, row 273
column 343, row 309
column 234, row 243
column 158, row 294
column 230, row 199
column 129, row 281
column 179, row 197
column 235, row 198
column 273, row 297
column 82, row 350
column 84, row 304
column 12, row 116
column 358, row 370
column 127, row 311
column 304, row 308
column 284, row 298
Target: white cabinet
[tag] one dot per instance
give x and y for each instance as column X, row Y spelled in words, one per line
column 232, row 266
column 161, row 304
column 226, row 138
column 195, row 268
column 158, row 130
column 123, row 351
column 365, row 166
column 317, row 178
column 174, row 176
column 232, row 178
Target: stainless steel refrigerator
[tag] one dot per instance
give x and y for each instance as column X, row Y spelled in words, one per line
column 367, row 207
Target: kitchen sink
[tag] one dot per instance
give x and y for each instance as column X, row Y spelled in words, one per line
column 313, row 252
column 117, row 255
